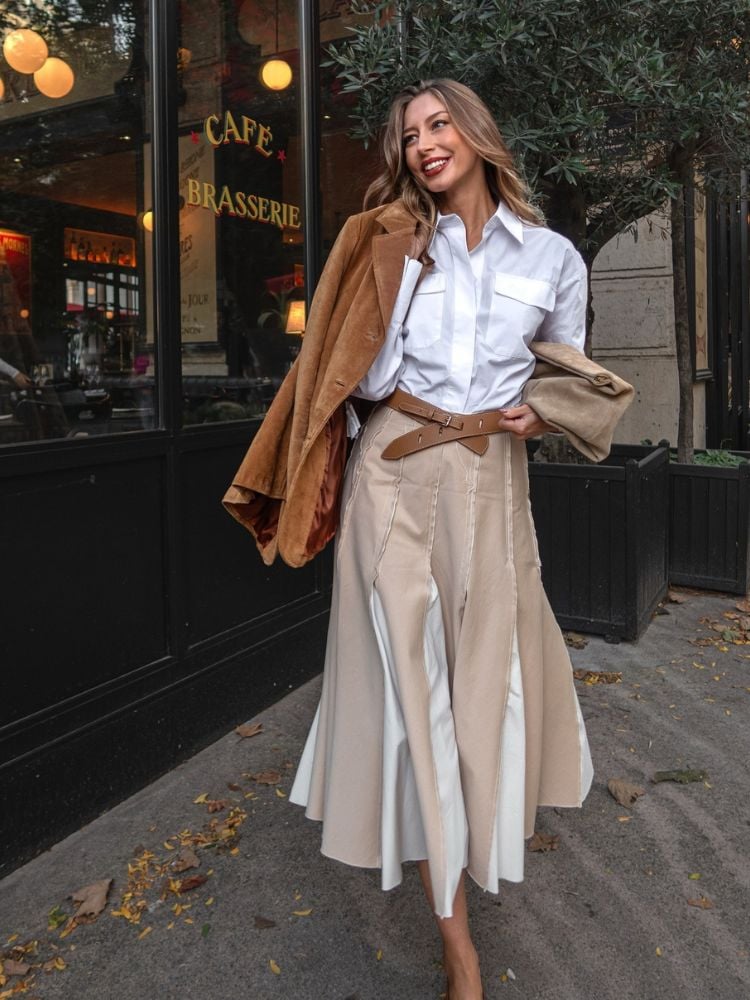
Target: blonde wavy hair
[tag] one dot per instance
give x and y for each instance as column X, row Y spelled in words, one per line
column 473, row 119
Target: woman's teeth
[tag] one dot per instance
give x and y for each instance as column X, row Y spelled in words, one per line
column 431, row 168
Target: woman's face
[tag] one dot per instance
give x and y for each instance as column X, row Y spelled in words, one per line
column 436, row 152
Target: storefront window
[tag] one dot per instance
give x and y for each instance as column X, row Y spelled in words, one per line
column 346, row 167
column 241, row 271
column 76, row 345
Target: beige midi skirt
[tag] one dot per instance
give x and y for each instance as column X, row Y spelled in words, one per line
column 448, row 711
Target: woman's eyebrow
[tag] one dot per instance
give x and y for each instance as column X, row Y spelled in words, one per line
column 429, row 118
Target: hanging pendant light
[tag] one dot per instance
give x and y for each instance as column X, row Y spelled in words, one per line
column 25, row 50
column 276, row 74
column 55, row 78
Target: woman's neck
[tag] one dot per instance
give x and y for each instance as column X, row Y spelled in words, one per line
column 474, row 208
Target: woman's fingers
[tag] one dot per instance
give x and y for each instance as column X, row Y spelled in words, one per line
column 521, row 421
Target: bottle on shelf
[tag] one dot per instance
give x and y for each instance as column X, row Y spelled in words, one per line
column 72, row 249
column 81, row 253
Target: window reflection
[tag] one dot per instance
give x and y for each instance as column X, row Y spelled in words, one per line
column 76, row 346
column 242, row 278
column 346, row 167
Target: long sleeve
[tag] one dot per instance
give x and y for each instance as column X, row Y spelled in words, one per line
column 384, row 373
column 566, row 323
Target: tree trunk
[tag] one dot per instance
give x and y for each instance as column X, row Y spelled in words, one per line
column 681, row 165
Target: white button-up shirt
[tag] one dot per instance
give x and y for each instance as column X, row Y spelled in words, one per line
column 460, row 338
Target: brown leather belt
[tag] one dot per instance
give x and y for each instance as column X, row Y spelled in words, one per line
column 469, row 429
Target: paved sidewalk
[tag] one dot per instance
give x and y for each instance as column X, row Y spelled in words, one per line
column 604, row 917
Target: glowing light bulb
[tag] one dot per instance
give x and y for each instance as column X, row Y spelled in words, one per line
column 276, row 74
column 147, row 221
column 55, row 78
column 25, row 50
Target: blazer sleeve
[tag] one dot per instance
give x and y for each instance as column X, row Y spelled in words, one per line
column 257, row 493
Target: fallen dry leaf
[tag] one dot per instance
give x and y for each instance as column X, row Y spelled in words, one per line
column 144, row 932
column 248, row 730
column 13, row 968
column 702, row 902
column 216, row 805
column 743, row 606
column 203, row 797
column 544, row 842
column 598, row 676
column 187, row 859
column 302, row 913
column 575, row 641
column 191, row 882
column 274, row 967
column 91, row 899
column 674, row 598
column 54, row 963
column 266, row 777
column 623, row 792
column 263, row 923
column 233, row 786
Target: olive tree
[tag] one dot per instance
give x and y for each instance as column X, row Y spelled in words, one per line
column 614, row 107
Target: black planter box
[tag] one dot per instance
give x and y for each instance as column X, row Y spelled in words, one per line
column 708, row 530
column 603, row 534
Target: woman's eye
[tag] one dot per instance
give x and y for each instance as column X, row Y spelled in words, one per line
column 440, row 121
column 408, row 139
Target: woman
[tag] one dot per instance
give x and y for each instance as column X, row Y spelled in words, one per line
column 448, row 711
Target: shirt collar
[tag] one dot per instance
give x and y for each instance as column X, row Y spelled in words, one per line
column 502, row 216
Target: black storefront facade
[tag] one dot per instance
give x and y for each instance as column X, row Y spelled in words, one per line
column 173, row 175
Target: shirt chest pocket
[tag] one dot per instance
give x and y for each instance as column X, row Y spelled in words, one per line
column 517, row 310
column 424, row 321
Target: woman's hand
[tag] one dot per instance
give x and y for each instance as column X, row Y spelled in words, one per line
column 22, row 381
column 523, row 422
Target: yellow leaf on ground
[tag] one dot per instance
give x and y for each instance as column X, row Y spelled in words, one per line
column 659, row 952
column 247, row 730
column 203, row 797
column 281, row 795
column 694, row 876
column 170, row 925
column 702, row 902
column 209, row 901
column 302, row 913
column 169, row 847
column 379, row 954
column 144, row 932
column 274, row 967
column 234, row 852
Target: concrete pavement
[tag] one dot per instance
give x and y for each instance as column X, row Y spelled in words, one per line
column 605, row 916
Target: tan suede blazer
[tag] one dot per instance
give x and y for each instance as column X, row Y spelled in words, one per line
column 286, row 491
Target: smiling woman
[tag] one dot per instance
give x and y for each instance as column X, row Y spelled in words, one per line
column 448, row 712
